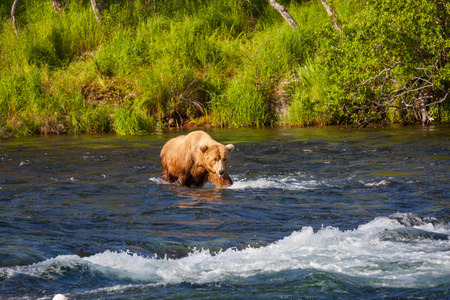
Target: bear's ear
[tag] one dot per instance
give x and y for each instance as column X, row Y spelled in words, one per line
column 230, row 147
column 203, row 148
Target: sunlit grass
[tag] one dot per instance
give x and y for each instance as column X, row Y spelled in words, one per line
column 64, row 73
column 235, row 60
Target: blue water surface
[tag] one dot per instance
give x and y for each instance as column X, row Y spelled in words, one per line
column 313, row 212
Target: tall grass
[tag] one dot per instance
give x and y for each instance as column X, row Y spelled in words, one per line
column 239, row 106
column 131, row 121
column 308, row 104
column 139, row 71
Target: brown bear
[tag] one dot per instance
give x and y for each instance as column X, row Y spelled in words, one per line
column 195, row 159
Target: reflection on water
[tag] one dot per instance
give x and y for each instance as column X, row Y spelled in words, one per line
column 192, row 197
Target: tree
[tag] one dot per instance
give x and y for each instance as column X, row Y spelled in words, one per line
column 287, row 16
column 13, row 14
column 284, row 13
column 332, row 14
column 97, row 9
column 57, row 6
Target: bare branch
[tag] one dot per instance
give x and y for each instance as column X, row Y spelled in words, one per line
column 97, row 10
column 13, row 15
column 286, row 15
column 381, row 73
column 332, row 14
column 444, row 5
column 439, row 101
column 413, row 98
column 414, row 90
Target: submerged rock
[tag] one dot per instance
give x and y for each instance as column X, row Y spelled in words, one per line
column 410, row 234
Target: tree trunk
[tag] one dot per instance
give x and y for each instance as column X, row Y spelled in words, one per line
column 13, row 15
column 280, row 8
column 425, row 117
column 57, row 6
column 332, row 14
column 97, row 10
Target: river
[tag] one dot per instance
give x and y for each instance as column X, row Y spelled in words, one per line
column 313, row 213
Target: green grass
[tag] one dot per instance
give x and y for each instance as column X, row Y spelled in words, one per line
column 236, row 61
column 241, row 105
column 308, row 106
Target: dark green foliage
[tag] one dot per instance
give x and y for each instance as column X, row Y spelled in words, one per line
column 391, row 59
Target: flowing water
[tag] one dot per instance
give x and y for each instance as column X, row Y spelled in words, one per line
column 313, row 213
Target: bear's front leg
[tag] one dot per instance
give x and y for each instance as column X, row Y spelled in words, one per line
column 185, row 180
column 165, row 174
column 220, row 182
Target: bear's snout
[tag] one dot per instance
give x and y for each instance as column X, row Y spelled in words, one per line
column 221, row 172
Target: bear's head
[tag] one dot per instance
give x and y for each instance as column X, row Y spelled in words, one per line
column 216, row 157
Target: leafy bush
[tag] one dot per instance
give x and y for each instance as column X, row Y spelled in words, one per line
column 390, row 61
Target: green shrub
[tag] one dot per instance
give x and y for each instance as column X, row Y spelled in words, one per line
column 389, row 57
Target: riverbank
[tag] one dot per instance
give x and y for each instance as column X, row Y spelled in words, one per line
column 144, row 68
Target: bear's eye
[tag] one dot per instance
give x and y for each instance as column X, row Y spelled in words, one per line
column 215, row 159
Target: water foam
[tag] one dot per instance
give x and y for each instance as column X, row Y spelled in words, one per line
column 157, row 180
column 283, row 183
column 382, row 183
column 361, row 253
